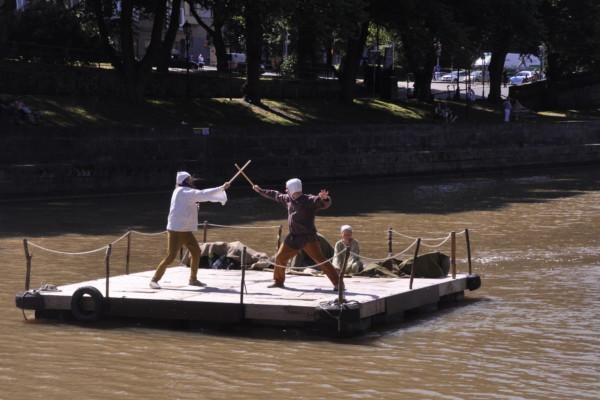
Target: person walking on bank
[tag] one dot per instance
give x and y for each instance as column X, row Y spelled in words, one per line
column 302, row 231
column 183, row 222
column 507, row 105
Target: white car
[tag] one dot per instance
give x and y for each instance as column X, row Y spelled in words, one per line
column 455, row 76
column 521, row 77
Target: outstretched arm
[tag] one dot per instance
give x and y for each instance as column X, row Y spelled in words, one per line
column 325, row 198
column 270, row 194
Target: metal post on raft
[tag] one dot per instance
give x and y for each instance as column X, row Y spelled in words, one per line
column 28, row 264
column 243, row 267
column 128, row 253
column 468, row 249
column 279, row 232
column 107, row 264
column 205, row 232
column 412, row 268
column 453, row 254
column 341, row 285
column 389, row 241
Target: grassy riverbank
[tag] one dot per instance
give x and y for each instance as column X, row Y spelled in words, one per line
column 96, row 112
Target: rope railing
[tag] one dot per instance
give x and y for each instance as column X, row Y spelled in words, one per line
column 422, row 239
column 417, row 242
column 67, row 253
column 242, row 226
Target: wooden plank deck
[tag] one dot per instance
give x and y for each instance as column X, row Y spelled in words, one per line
column 302, row 300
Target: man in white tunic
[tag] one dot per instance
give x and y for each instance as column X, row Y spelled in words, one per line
column 183, row 222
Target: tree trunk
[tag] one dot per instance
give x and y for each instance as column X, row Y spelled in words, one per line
column 496, row 68
column 351, row 63
column 219, row 43
column 216, row 32
column 305, row 44
column 134, row 73
column 164, row 57
column 253, row 51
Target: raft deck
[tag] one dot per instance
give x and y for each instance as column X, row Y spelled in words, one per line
column 305, row 301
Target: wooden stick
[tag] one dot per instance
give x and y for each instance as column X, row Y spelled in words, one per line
column 244, row 175
column 240, row 171
column 28, row 265
column 341, row 298
column 107, row 264
column 128, row 253
column 412, row 268
column 453, row 254
column 468, row 250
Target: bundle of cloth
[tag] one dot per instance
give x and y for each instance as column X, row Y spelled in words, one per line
column 228, row 255
column 430, row 265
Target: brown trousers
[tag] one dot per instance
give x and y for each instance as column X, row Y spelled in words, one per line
column 285, row 253
column 175, row 240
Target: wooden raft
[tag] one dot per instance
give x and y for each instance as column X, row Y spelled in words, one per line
column 306, row 300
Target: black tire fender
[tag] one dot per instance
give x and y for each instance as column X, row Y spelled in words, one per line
column 473, row 282
column 97, row 302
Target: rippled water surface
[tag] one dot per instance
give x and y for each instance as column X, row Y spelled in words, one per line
column 531, row 332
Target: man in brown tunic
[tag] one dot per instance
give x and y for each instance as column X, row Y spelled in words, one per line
column 302, row 231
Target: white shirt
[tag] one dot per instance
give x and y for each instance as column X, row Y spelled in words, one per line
column 183, row 214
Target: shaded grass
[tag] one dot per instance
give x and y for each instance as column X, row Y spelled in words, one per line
column 96, row 112
column 86, row 112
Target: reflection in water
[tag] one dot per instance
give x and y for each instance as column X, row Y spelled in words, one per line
column 530, row 332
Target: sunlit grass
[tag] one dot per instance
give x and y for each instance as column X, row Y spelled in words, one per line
column 393, row 109
column 224, row 112
column 553, row 114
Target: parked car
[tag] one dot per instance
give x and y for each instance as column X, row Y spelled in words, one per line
column 477, row 76
column 180, row 62
column 521, row 77
column 455, row 76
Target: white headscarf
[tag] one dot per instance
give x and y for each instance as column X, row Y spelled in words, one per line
column 293, row 185
column 181, row 177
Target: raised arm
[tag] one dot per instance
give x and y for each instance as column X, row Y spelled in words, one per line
column 271, row 194
column 325, row 199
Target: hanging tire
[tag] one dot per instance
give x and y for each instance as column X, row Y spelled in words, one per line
column 97, row 300
column 473, row 282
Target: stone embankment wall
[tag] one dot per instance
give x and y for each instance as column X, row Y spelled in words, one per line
column 61, row 161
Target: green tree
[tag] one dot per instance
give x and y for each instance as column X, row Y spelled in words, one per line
column 510, row 26
column 52, row 33
column 223, row 11
column 421, row 25
column 118, row 40
column 572, row 36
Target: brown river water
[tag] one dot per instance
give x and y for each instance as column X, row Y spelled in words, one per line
column 532, row 331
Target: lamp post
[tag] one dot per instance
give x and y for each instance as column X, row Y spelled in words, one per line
column 187, row 30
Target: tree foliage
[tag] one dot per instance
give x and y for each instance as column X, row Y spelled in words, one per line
column 307, row 36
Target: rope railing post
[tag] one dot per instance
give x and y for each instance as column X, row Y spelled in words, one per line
column 107, row 264
column 390, row 241
column 28, row 264
column 412, row 268
column 341, row 298
column 128, row 253
column 453, row 254
column 279, row 232
column 243, row 282
column 468, row 250
column 205, row 232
